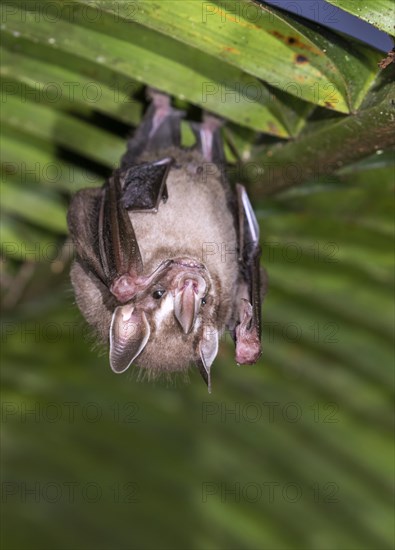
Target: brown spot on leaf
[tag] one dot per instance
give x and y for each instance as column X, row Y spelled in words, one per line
column 231, row 50
column 329, row 105
column 301, row 59
column 295, row 41
column 277, row 34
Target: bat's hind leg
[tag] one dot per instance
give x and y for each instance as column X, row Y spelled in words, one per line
column 209, row 140
column 159, row 129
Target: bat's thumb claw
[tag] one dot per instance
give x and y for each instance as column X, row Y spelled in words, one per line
column 248, row 350
column 248, row 343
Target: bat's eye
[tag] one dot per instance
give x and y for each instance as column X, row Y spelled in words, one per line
column 204, row 301
column 157, row 295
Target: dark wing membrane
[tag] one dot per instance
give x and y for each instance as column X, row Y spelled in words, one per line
column 82, row 219
column 144, row 185
column 119, row 250
column 102, row 232
column 250, row 253
column 98, row 219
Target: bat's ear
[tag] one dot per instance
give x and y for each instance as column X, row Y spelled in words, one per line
column 208, row 349
column 129, row 334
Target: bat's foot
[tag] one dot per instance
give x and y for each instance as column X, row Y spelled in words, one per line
column 209, row 140
column 161, row 109
column 160, row 99
column 211, row 123
column 159, row 129
column 248, row 344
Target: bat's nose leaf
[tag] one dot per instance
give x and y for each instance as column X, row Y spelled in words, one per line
column 186, row 305
column 129, row 334
column 208, row 349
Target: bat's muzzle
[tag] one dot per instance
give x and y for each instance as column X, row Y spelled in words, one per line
column 191, row 288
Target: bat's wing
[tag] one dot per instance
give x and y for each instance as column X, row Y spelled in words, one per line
column 248, row 331
column 144, row 185
column 120, row 252
column 83, row 222
column 98, row 219
column 103, row 234
column 106, row 245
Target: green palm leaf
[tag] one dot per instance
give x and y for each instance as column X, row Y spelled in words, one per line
column 380, row 13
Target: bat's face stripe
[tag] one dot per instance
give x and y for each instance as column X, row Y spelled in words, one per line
column 164, row 312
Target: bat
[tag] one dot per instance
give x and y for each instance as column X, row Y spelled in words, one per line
column 167, row 254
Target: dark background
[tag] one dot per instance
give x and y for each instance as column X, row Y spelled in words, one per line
column 334, row 18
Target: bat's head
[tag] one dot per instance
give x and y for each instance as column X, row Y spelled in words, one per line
column 170, row 324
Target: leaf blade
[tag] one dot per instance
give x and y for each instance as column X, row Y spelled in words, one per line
column 380, row 13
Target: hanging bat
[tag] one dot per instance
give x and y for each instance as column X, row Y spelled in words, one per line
column 167, row 255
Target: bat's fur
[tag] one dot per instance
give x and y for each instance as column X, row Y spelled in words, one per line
column 202, row 219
